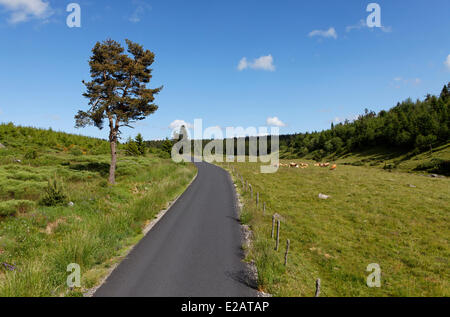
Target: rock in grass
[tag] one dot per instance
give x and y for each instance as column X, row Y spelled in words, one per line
column 71, row 204
column 322, row 196
column 2, row 146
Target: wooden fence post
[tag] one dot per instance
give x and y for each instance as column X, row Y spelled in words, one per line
column 251, row 190
column 264, row 208
column 287, row 251
column 278, row 234
column 273, row 226
column 317, row 288
column 257, row 199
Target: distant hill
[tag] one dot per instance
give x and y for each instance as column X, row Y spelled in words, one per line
column 407, row 131
column 19, row 140
column 418, row 132
column 409, row 126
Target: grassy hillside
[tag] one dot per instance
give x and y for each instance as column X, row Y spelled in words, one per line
column 436, row 161
column 410, row 126
column 398, row 220
column 37, row 242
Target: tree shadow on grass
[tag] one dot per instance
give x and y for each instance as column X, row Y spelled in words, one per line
column 101, row 168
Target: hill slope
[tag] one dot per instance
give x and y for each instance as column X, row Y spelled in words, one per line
column 401, row 133
column 82, row 220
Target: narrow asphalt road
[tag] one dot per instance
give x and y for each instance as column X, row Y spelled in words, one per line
column 194, row 250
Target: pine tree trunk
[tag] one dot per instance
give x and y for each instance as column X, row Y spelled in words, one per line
column 113, row 132
column 112, row 167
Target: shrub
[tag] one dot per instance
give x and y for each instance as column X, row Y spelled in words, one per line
column 159, row 153
column 164, row 155
column 318, row 155
column 11, row 207
column 140, row 144
column 303, row 151
column 54, row 194
column 131, row 148
column 424, row 142
column 31, row 155
column 76, row 151
column 435, row 165
column 167, row 146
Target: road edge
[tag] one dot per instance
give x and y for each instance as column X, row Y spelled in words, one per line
column 90, row 292
column 246, row 236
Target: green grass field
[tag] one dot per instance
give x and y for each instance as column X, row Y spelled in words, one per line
column 37, row 242
column 434, row 161
column 426, row 162
column 396, row 219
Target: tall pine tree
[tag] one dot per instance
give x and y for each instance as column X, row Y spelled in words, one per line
column 140, row 144
column 118, row 93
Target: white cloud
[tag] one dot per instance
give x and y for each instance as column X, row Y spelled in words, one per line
column 136, row 16
column 447, row 62
column 331, row 32
column 243, row 64
column 176, row 124
column 343, row 119
column 23, row 10
column 140, row 8
column 386, row 29
column 406, row 81
column 362, row 24
column 264, row 63
column 358, row 26
column 260, row 63
column 274, row 121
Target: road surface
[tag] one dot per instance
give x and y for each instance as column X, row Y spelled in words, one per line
column 194, row 250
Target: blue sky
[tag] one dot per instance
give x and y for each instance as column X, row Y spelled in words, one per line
column 307, row 63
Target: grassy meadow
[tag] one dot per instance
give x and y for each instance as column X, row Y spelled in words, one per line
column 37, row 242
column 396, row 219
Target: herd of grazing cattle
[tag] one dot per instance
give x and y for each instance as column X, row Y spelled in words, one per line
column 306, row 165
